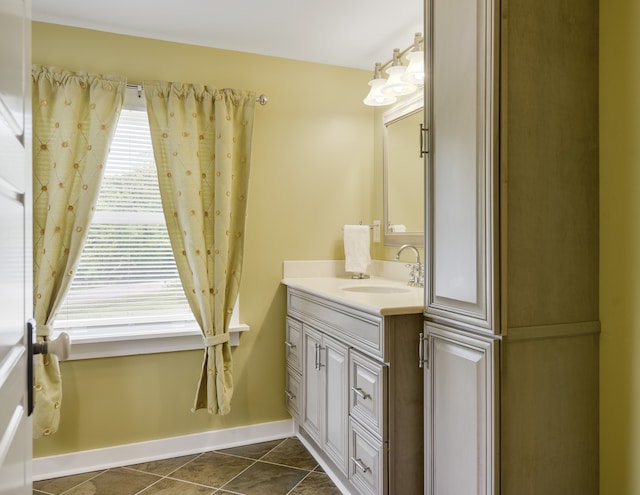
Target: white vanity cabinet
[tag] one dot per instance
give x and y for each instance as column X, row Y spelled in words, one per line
column 511, row 296
column 361, row 389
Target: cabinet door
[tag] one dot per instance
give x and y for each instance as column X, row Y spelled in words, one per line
column 293, row 344
column 367, row 388
column 459, row 413
column 461, row 160
column 312, row 377
column 334, row 362
column 292, row 393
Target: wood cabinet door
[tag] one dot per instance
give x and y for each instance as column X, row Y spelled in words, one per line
column 335, row 364
column 459, row 413
column 325, row 409
column 461, row 161
column 313, row 384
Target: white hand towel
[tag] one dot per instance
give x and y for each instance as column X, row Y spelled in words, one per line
column 356, row 248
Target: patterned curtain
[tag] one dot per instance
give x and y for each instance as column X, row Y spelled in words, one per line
column 202, row 145
column 74, row 118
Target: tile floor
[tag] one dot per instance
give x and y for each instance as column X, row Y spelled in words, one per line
column 279, row 467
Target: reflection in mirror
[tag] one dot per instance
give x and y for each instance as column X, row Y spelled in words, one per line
column 403, row 174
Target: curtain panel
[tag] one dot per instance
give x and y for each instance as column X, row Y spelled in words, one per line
column 74, row 118
column 202, row 146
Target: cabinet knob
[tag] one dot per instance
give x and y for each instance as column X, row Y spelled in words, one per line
column 289, row 344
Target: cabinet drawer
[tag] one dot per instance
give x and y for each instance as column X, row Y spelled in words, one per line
column 357, row 328
column 293, row 394
column 293, row 344
column 366, row 396
column 366, row 463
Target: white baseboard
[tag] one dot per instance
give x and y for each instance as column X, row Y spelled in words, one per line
column 135, row 453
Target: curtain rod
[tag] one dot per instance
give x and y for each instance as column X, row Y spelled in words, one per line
column 262, row 99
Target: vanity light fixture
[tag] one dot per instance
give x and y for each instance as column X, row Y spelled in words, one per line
column 415, row 70
column 396, row 85
column 376, row 97
column 402, row 80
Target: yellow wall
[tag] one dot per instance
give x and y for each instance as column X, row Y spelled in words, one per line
column 312, row 171
column 620, row 247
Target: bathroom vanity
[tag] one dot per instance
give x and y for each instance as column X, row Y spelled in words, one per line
column 354, row 385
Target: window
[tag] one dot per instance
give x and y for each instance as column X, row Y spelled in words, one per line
column 127, row 273
column 127, row 283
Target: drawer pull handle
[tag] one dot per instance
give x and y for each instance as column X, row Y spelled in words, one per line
column 289, row 344
column 317, row 347
column 289, row 395
column 360, row 465
column 318, row 364
column 361, row 393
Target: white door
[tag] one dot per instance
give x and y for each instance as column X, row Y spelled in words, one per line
column 459, row 417
column 15, row 249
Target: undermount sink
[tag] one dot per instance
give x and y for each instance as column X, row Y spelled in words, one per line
column 376, row 289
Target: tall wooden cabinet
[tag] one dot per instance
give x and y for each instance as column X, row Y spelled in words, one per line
column 511, row 300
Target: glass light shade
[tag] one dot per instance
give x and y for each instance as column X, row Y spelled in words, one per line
column 376, row 98
column 395, row 85
column 415, row 70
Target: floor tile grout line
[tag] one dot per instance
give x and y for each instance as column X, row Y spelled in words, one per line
column 215, row 489
column 299, row 482
column 169, row 477
column 274, row 448
column 85, row 481
column 197, row 456
column 241, row 472
column 287, row 465
column 148, row 486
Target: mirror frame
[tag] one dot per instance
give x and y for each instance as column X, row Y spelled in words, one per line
column 394, row 114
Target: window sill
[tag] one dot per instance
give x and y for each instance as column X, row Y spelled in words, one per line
column 141, row 339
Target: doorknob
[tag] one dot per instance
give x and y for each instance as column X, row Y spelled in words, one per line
column 60, row 346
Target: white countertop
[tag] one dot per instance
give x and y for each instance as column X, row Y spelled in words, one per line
column 327, row 280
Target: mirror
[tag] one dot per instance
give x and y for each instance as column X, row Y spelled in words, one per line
column 403, row 174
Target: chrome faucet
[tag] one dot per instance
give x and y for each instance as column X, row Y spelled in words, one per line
column 416, row 275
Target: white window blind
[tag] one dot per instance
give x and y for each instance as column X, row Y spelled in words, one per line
column 127, row 273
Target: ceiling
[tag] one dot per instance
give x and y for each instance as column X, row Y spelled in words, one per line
column 348, row 33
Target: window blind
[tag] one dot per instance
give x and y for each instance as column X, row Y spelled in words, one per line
column 127, row 273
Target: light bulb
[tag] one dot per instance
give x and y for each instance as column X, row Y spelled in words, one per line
column 395, row 86
column 415, row 70
column 376, row 97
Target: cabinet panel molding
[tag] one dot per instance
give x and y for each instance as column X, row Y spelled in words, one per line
column 461, row 164
column 459, row 412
